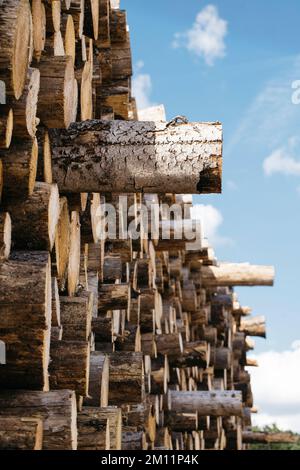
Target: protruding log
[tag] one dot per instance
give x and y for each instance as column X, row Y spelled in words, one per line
column 126, row 378
column 19, row 169
column 114, row 162
column 5, row 235
column 21, row 433
column 255, row 326
column 57, row 78
column 56, row 408
column 42, row 210
column 25, row 320
column 93, row 430
column 70, row 366
column 25, row 109
column 68, row 33
column 230, row 274
column 217, row 403
column 76, row 9
column 98, row 380
column 6, row 126
column 76, row 316
column 114, row 297
column 16, row 40
column 91, row 19
column 251, row 437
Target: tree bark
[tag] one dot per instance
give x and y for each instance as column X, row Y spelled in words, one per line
column 57, row 409
column 21, row 433
column 76, row 316
column 6, row 126
column 93, row 430
column 25, row 320
column 42, row 209
column 113, row 297
column 69, row 366
column 255, row 326
column 126, row 378
column 217, row 403
column 181, row 422
column 19, row 169
column 134, row 157
column 230, row 274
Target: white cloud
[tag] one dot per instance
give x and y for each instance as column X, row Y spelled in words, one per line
column 142, row 87
column 283, row 160
column 276, row 388
column 206, row 37
column 211, row 220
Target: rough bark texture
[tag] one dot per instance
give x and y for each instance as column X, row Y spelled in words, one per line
column 93, row 430
column 132, row 157
column 98, row 380
column 126, row 378
column 230, row 274
column 21, row 433
column 217, row 403
column 57, row 409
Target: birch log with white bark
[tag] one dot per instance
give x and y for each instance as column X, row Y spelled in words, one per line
column 129, row 156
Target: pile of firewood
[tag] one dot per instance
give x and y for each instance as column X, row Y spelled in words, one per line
column 110, row 342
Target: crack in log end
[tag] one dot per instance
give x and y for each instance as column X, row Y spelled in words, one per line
column 210, row 181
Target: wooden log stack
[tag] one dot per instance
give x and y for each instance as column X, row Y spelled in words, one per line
column 131, row 342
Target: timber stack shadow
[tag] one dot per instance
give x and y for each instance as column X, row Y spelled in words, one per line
column 116, row 343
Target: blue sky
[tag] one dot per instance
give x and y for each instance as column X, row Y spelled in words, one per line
column 240, row 74
column 249, row 90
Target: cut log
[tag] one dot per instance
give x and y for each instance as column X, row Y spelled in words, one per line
column 6, row 126
column 42, row 209
column 250, row 437
column 230, row 274
column 221, row 358
column 25, row 109
column 217, row 403
column 62, row 240
column 68, row 33
column 132, row 439
column 113, row 297
column 170, row 344
column 93, row 430
column 16, row 40
column 57, row 409
column 181, row 422
column 70, row 366
column 98, row 380
column 195, row 353
column 5, row 235
column 102, row 329
column 126, row 378
column 21, row 433
column 55, row 318
column 76, row 316
column 255, row 326
column 19, row 169
column 91, row 157
column 76, row 9
column 114, row 415
column 91, row 19
column 74, row 254
column 39, row 27
column 25, row 320
column 57, row 79
column 104, row 24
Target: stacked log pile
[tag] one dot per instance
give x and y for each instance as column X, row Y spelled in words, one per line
column 117, row 342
